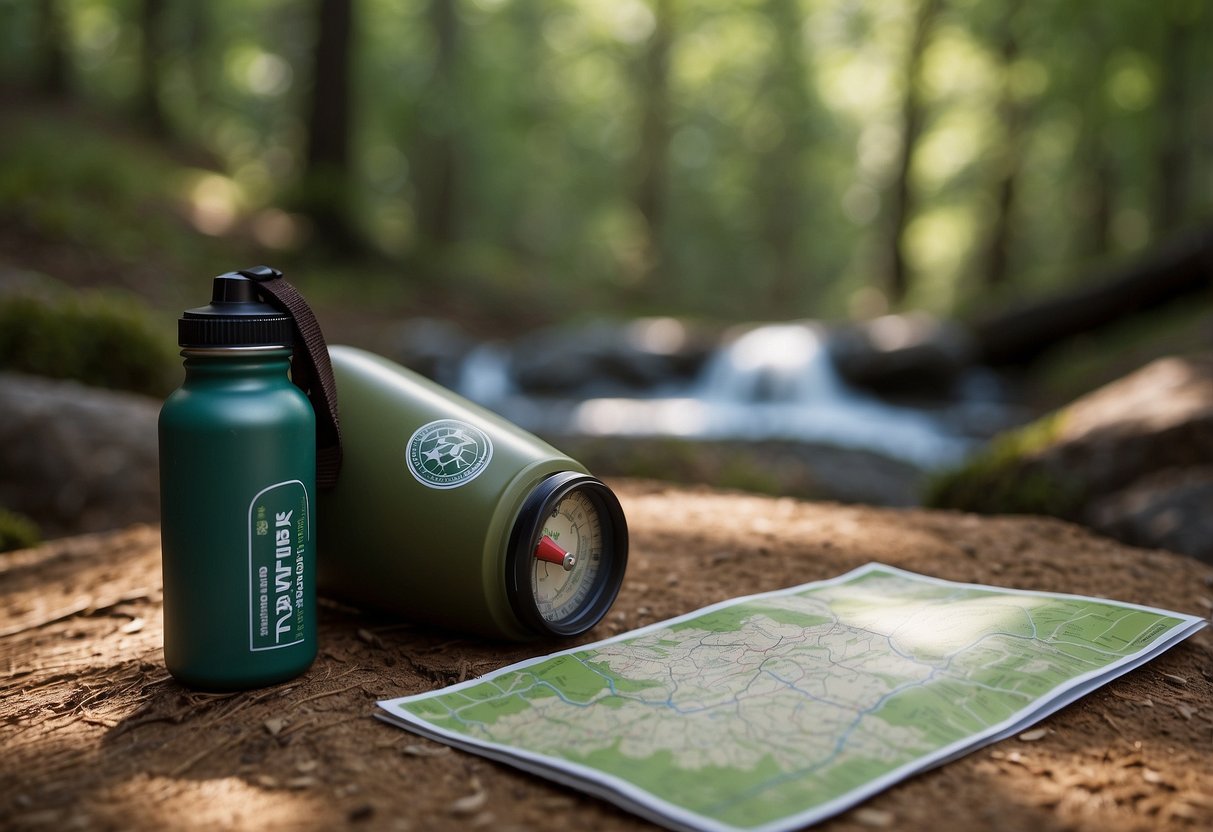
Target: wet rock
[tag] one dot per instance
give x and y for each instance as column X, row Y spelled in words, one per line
column 1133, row 459
column 606, row 357
column 1158, row 417
column 913, row 354
column 1171, row 509
column 431, row 346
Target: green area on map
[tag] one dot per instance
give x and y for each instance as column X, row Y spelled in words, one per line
column 773, row 706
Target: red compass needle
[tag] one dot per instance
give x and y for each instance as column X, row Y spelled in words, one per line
column 552, row 553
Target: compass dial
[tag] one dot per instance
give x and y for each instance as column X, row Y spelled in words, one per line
column 575, row 526
column 568, row 553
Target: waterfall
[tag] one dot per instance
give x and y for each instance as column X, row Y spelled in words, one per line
column 774, row 381
column 484, row 374
column 774, row 363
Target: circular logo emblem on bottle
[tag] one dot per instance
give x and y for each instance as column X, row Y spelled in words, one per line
column 448, row 453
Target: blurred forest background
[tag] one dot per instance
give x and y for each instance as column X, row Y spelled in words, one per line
column 754, row 159
column 515, row 164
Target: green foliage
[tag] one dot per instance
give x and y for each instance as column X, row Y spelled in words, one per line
column 699, row 157
column 101, row 339
column 1006, row 477
column 17, row 531
column 111, row 193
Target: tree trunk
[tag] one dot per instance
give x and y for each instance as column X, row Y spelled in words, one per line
column 652, row 154
column 199, row 28
column 531, row 105
column 151, row 54
column 1171, row 189
column 1097, row 175
column 52, row 61
column 1102, row 181
column 913, row 117
column 437, row 168
column 780, row 181
column 1182, row 266
column 1008, row 159
column 327, row 162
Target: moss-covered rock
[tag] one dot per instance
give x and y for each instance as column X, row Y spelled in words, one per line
column 1012, row 476
column 17, row 531
column 103, row 339
column 75, row 458
column 1123, row 460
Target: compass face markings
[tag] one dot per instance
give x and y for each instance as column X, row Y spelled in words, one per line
column 567, row 555
column 577, row 528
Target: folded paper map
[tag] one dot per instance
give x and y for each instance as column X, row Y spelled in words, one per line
column 775, row 711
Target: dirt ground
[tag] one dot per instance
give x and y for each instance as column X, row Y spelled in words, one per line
column 96, row 735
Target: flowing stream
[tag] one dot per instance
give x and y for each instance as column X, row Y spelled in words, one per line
column 776, row 381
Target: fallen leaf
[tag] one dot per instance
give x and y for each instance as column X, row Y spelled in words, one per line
column 132, row 626
column 877, row 818
column 425, row 750
column 469, row 804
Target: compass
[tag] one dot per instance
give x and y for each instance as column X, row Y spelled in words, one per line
column 567, row 555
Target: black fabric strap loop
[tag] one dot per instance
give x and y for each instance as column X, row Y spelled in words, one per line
column 311, row 369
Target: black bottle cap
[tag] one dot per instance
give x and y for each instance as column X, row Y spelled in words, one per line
column 235, row 317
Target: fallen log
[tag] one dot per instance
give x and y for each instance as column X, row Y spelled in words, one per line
column 1177, row 268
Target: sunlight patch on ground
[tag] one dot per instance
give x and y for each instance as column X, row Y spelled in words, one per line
column 941, row 629
column 154, row 802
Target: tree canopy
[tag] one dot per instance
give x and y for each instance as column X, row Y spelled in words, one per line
column 764, row 158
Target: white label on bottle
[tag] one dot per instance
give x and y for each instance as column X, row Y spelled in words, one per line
column 280, row 529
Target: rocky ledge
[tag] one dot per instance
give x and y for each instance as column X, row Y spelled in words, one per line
column 1133, row 460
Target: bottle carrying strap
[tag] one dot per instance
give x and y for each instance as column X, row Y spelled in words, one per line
column 311, row 369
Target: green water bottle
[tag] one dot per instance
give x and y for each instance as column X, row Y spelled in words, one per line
column 237, row 484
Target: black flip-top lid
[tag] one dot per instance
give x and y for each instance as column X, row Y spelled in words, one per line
column 235, row 317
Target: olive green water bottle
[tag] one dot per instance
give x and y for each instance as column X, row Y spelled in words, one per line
column 237, row 484
column 449, row 514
